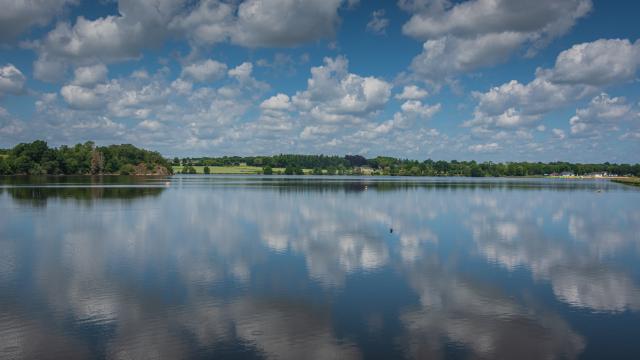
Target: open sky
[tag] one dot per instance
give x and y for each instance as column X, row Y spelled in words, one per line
column 492, row 80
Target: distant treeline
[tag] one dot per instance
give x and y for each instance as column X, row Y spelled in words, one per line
column 356, row 164
column 37, row 158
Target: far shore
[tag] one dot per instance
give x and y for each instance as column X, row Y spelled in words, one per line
column 634, row 181
column 255, row 170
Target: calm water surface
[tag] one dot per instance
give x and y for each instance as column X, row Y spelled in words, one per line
column 318, row 268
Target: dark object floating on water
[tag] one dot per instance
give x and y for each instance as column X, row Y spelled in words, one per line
column 391, row 230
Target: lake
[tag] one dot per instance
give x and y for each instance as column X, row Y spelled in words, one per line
column 318, row 268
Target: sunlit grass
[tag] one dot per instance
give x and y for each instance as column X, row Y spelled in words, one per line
column 635, row 181
column 241, row 170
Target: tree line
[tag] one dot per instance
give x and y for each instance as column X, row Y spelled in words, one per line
column 37, row 158
column 383, row 165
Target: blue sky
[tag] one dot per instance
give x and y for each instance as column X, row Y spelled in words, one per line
column 478, row 79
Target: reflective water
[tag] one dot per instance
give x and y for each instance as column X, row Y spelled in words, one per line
column 317, row 268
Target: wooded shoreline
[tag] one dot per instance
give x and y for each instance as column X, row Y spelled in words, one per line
column 37, row 158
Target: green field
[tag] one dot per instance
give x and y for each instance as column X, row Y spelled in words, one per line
column 242, row 170
column 628, row 181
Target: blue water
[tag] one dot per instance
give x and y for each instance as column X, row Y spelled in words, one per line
column 318, row 267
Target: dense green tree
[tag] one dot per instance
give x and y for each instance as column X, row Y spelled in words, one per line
column 476, row 171
column 189, row 170
column 5, row 169
column 267, row 170
column 38, row 158
column 207, row 170
column 127, row 169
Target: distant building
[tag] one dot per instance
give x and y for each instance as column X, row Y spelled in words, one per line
column 363, row 170
column 567, row 173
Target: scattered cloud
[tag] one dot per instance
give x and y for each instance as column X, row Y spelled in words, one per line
column 90, row 75
column 478, row 33
column 205, row 71
column 378, row 23
column 412, row 92
column 148, row 24
column 218, row 75
column 284, row 22
column 484, row 148
column 79, row 97
column 416, row 107
column 19, row 16
column 447, row 56
column 335, row 95
column 599, row 63
column 276, row 102
column 578, row 72
column 602, row 115
column 12, row 80
column 558, row 133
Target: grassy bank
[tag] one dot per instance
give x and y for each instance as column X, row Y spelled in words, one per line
column 234, row 170
column 635, row 181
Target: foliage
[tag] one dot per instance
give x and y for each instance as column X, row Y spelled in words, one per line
column 383, row 165
column 127, row 169
column 37, row 158
column 249, row 170
column 207, row 170
column 189, row 170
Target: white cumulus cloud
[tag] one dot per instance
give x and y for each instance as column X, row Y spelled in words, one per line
column 483, row 148
column 599, row 63
column 335, row 95
column 90, row 75
column 276, row 102
column 578, row 72
column 471, row 34
column 412, row 92
column 603, row 114
column 17, row 17
column 12, row 81
column 207, row 70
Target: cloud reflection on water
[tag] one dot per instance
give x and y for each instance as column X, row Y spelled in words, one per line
column 207, row 270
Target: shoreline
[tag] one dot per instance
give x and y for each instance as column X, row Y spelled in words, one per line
column 626, row 180
column 631, row 181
